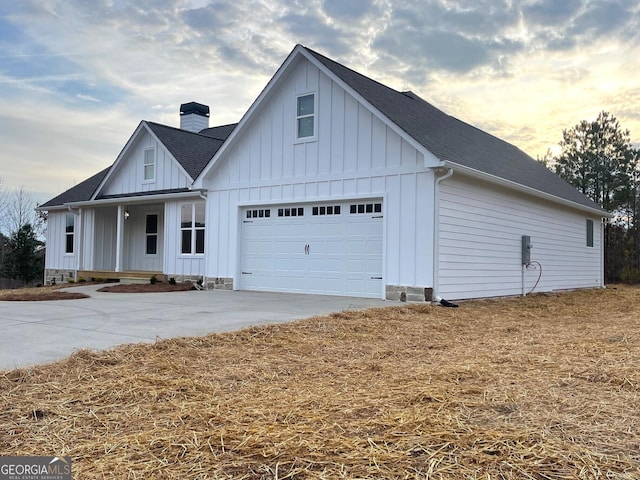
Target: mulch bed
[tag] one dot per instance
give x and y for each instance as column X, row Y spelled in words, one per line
column 157, row 287
column 545, row 387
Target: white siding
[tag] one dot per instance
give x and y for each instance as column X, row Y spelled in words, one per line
column 481, row 226
column 104, row 241
column 176, row 264
column 129, row 176
column 56, row 257
column 355, row 156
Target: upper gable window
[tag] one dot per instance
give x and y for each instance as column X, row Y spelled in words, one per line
column 149, row 165
column 306, row 116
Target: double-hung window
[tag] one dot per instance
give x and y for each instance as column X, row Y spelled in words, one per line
column 306, row 116
column 149, row 165
column 192, row 228
column 69, row 232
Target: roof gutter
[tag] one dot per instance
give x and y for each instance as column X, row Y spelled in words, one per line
column 127, row 200
column 528, row 190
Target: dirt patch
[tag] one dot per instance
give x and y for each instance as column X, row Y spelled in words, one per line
column 535, row 388
column 38, row 294
column 148, row 287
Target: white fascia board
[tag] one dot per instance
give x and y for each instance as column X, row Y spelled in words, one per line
column 131, row 200
column 246, row 118
column 173, row 159
column 528, row 190
column 383, row 118
column 119, row 160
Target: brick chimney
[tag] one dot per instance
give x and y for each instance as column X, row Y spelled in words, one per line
column 194, row 116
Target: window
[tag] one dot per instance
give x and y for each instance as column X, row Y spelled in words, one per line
column 261, row 213
column 326, row 210
column 366, row 208
column 149, row 165
column 306, row 116
column 589, row 233
column 69, row 231
column 192, row 228
column 151, row 233
column 291, row 212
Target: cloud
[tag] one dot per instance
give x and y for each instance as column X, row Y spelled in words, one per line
column 86, row 73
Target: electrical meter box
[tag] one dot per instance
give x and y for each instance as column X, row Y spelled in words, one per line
column 526, row 249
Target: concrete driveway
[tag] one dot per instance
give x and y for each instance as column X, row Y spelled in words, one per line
column 41, row 332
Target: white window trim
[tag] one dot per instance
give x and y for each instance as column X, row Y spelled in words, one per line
column 313, row 137
column 193, row 230
column 145, row 165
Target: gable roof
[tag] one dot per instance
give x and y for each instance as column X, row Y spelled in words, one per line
column 78, row 193
column 454, row 141
column 191, row 150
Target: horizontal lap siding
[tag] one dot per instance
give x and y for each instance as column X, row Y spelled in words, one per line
column 480, row 242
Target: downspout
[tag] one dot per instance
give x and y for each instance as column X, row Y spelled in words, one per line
column 436, row 232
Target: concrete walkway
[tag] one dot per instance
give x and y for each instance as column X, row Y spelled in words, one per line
column 41, row 332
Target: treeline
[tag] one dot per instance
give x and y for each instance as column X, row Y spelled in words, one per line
column 21, row 246
column 599, row 159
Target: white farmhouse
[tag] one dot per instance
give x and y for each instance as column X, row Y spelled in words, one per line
column 331, row 183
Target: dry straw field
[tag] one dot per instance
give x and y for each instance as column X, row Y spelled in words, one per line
column 545, row 387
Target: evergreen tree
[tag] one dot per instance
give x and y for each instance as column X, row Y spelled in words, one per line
column 598, row 159
column 22, row 259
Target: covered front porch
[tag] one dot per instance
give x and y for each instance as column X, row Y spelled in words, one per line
column 120, row 239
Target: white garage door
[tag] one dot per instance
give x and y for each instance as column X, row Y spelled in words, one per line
column 329, row 248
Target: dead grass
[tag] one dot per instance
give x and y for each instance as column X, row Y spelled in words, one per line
column 545, row 387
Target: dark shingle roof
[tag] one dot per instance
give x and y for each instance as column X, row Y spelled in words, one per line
column 192, row 150
column 221, row 132
column 79, row 193
column 452, row 140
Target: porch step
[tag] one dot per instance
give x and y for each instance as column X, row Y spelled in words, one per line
column 130, row 280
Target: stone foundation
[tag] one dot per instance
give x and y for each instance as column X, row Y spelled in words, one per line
column 218, row 283
column 55, row 276
column 406, row 293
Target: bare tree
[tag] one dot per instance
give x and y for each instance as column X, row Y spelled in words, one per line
column 19, row 209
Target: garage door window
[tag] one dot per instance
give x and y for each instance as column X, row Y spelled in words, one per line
column 291, row 212
column 192, row 227
column 326, row 210
column 366, row 208
column 259, row 213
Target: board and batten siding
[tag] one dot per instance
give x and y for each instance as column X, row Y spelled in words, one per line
column 129, row 176
column 56, row 257
column 175, row 263
column 355, row 155
column 480, row 232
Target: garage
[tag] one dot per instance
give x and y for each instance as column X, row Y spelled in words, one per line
column 329, row 248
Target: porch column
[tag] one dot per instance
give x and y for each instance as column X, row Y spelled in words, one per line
column 81, row 240
column 119, row 237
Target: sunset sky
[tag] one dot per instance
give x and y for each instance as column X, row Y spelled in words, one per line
column 77, row 76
